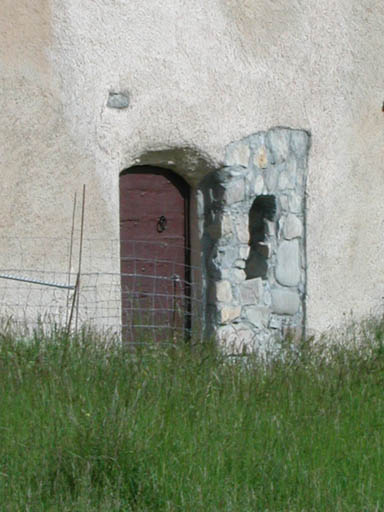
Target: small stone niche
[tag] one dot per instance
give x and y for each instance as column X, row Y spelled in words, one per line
column 263, row 208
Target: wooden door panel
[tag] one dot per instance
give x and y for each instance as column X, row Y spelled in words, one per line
column 154, row 252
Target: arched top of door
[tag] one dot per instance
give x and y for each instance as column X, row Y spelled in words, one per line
column 174, row 178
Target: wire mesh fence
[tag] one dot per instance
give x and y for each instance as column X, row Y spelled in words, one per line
column 142, row 297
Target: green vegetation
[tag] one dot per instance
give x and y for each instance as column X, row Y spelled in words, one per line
column 87, row 428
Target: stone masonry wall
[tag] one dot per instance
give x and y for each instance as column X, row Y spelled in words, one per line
column 244, row 312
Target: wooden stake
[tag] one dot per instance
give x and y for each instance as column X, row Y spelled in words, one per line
column 71, row 252
column 80, row 257
column 76, row 293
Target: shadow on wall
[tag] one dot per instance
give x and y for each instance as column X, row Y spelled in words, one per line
column 189, row 162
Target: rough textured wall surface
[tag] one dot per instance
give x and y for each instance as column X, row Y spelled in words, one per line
column 199, row 75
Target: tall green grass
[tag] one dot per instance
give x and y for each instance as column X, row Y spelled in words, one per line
column 88, row 428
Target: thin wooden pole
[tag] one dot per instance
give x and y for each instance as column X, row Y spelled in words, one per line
column 80, row 257
column 73, row 304
column 71, row 252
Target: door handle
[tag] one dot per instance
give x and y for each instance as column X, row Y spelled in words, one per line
column 161, row 224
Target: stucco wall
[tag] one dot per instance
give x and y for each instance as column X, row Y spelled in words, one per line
column 200, row 75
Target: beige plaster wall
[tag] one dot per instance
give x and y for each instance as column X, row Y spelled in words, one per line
column 200, row 75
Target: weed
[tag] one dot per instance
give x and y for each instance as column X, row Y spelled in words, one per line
column 89, row 425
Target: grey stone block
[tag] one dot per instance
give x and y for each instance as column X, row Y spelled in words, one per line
column 238, row 154
column 286, row 181
column 295, row 203
column 221, row 227
column 278, row 142
column 288, row 263
column 200, row 203
column 267, row 299
column 245, row 338
column 251, row 291
column 271, row 177
column 292, row 227
column 257, row 316
column 299, row 142
column 118, row 100
column 238, row 275
column 259, row 185
column 229, row 313
column 285, row 302
column 224, row 256
column 244, row 252
column 242, row 229
column 275, row 322
column 226, row 336
column 260, row 158
column 236, row 339
column 271, row 227
column 234, row 192
column 240, row 263
column 230, row 173
column 284, row 203
column 222, row 292
column 291, row 166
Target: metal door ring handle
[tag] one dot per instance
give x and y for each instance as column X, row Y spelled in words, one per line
column 161, row 224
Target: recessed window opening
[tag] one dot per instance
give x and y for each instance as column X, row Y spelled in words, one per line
column 262, row 209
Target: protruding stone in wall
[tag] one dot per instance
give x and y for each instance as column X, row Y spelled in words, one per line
column 271, row 228
column 240, row 263
column 235, row 193
column 275, row 322
column 261, row 158
column 259, row 185
column 223, row 292
column 300, row 144
column 242, row 230
column 271, row 178
column 278, row 141
column 286, row 181
column 226, row 336
column 288, row 263
column 238, row 154
column 238, row 275
column 220, row 227
column 118, row 100
column 257, row 316
column 292, row 227
column 238, row 339
column 291, row 168
column 245, row 338
column 244, row 252
column 285, row 302
column 229, row 313
column 251, row 291
column 223, row 257
column 284, row 203
column 295, row 203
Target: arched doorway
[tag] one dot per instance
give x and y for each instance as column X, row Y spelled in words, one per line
column 154, row 255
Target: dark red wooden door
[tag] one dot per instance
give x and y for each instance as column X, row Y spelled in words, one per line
column 154, row 254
